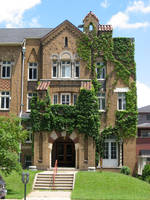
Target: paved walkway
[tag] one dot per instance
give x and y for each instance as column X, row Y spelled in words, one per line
column 49, row 195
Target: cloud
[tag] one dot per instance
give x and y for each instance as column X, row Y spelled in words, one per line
column 105, row 4
column 12, row 11
column 34, row 23
column 138, row 6
column 143, row 94
column 122, row 19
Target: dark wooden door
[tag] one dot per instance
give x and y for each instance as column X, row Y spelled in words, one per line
column 65, row 153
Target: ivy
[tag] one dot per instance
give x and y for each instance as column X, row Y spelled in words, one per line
column 83, row 117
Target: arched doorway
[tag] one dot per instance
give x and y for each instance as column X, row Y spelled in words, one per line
column 64, row 152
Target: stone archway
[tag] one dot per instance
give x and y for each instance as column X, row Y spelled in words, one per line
column 64, row 152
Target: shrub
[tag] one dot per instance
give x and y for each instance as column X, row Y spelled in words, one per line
column 146, row 172
column 125, row 170
column 147, row 179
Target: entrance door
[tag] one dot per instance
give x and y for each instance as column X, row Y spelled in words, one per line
column 64, row 152
column 110, row 153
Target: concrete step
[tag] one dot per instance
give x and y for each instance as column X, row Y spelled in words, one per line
column 50, row 188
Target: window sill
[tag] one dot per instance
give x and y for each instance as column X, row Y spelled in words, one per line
column 102, row 110
column 6, row 110
column 32, row 79
column 6, row 78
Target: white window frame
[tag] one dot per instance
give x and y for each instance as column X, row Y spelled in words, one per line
column 77, row 64
column 54, row 64
column 6, row 64
column 33, row 68
column 56, row 94
column 65, row 64
column 101, row 67
column 5, row 96
column 65, row 95
column 101, row 96
column 123, row 99
column 29, row 98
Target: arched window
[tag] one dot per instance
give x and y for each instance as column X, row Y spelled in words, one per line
column 91, row 27
column 66, row 42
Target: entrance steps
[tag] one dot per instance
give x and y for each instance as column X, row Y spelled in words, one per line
column 63, row 181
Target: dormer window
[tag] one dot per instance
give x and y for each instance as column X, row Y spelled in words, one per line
column 66, row 42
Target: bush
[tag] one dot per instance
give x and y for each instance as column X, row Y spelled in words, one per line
column 125, row 170
column 146, row 172
column 147, row 179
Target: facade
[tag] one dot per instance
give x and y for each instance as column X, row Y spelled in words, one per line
column 143, row 138
column 33, row 60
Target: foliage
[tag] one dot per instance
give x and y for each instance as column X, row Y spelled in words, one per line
column 146, row 172
column 125, row 170
column 109, row 185
column 11, row 135
column 14, row 185
column 84, row 116
column 147, row 179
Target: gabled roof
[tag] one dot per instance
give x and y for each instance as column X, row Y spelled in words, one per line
column 145, row 109
column 17, row 35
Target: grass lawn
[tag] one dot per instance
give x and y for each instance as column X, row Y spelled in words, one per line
column 14, row 185
column 109, row 186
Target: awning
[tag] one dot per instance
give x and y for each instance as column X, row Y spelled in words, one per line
column 43, row 85
column 86, row 85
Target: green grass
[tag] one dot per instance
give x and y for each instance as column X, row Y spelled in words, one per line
column 14, row 185
column 109, row 186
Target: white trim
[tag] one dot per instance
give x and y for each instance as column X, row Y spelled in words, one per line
column 122, row 100
column 56, row 65
column 126, row 89
column 74, row 66
column 66, row 94
column 33, row 67
column 4, row 96
column 6, row 66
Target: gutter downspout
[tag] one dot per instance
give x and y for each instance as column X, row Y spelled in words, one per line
column 22, row 87
column 22, row 77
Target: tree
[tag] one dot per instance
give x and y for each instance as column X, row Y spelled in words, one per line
column 11, row 135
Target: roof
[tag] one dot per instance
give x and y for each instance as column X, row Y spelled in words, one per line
column 145, row 109
column 91, row 13
column 17, row 35
column 144, row 125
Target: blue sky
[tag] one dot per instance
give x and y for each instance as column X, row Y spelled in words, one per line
column 130, row 18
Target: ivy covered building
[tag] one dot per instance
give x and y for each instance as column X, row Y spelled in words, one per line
column 84, row 97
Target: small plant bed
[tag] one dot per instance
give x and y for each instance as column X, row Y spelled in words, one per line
column 109, row 186
column 14, row 185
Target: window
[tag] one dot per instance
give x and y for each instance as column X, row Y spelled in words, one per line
column 66, row 42
column 148, row 116
column 74, row 99
column 29, row 137
column 28, row 160
column 4, row 100
column 121, row 101
column 77, row 69
column 55, row 99
column 6, row 69
column 65, row 69
column 65, row 99
column 113, row 150
column 101, row 101
column 106, row 150
column 29, row 97
column 101, row 70
column 54, row 69
column 145, row 133
column 33, row 71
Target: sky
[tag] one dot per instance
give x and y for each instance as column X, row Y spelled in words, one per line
column 130, row 18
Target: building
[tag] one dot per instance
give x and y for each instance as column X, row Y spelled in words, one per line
column 35, row 59
column 143, row 138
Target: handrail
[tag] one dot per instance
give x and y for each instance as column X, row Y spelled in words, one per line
column 54, row 174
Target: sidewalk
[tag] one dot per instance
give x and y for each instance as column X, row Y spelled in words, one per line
column 49, row 195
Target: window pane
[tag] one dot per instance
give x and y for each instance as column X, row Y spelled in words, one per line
column 103, row 104
column 63, row 99
column 68, row 71
column 54, row 71
column 3, row 71
column 120, row 104
column 113, row 150
column 34, row 73
column 74, row 98
column 98, row 73
column 106, row 148
column 55, row 99
column 8, row 71
column 2, row 102
column 77, row 71
column 63, row 71
column 30, row 73
column 7, row 102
